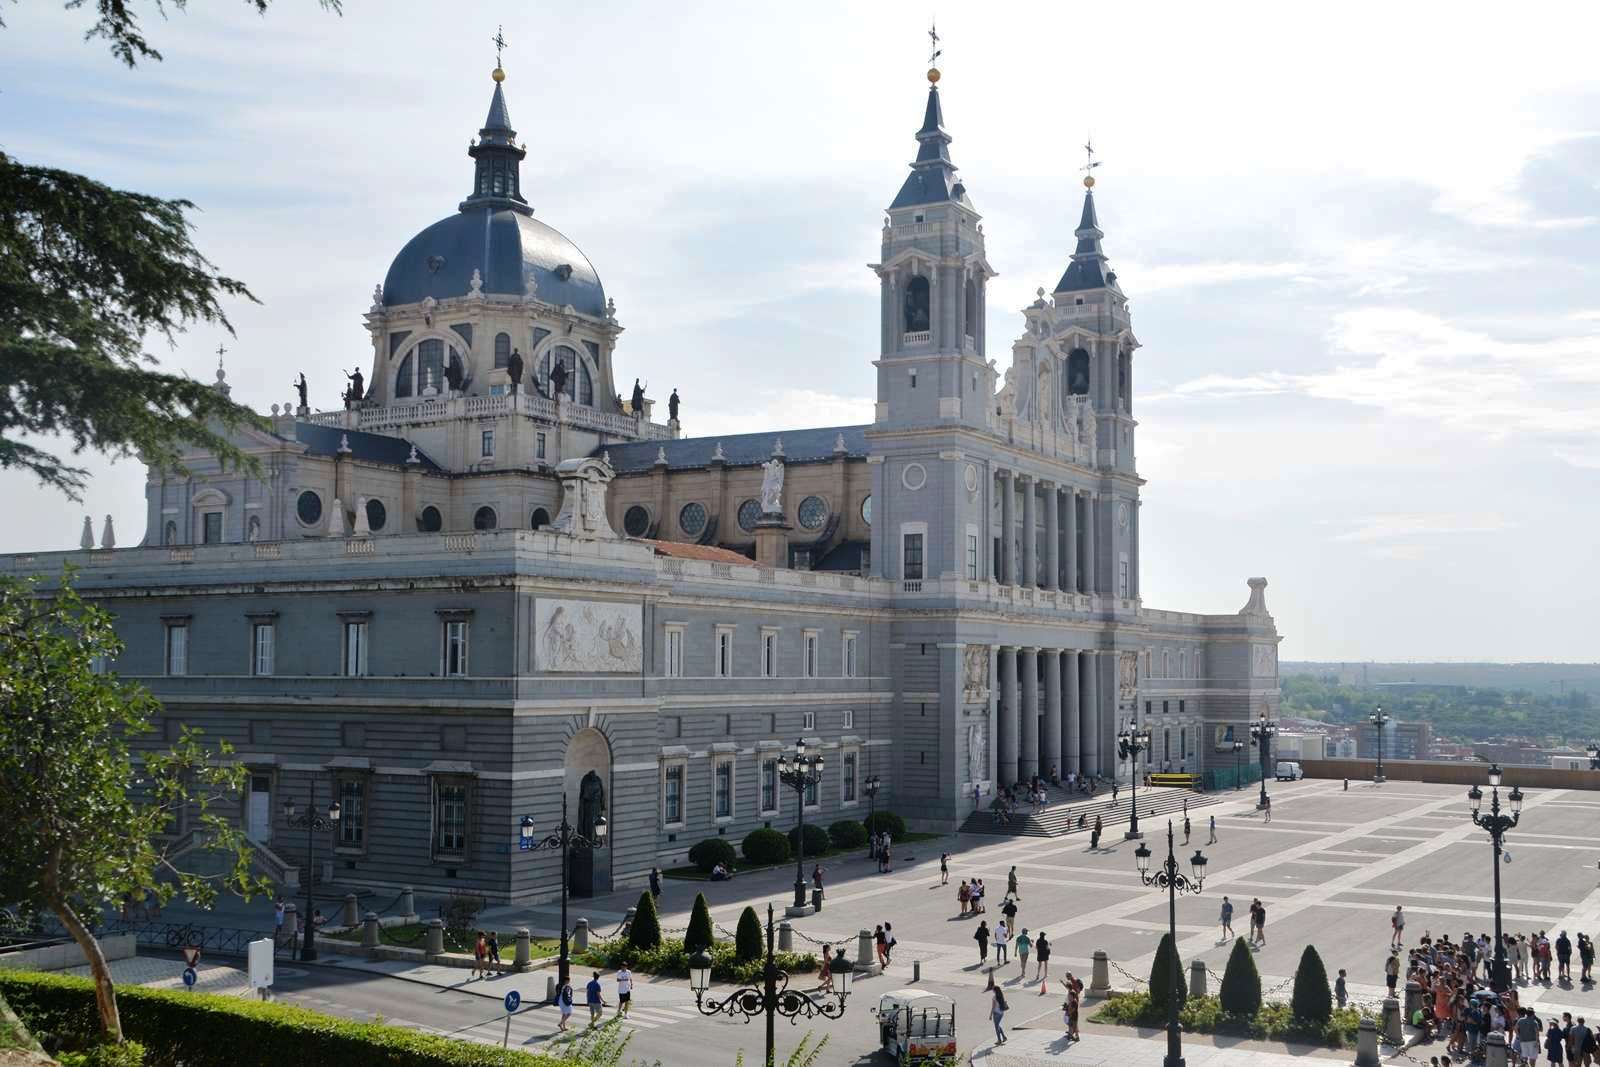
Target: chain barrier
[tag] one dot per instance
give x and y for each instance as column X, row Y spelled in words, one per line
column 1135, row 979
column 385, row 909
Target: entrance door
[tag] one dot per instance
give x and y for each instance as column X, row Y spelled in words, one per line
column 258, row 809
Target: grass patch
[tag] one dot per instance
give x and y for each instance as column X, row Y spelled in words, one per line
column 1204, row 1015
column 415, row 935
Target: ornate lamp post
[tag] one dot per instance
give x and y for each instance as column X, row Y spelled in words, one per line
column 1379, row 720
column 1168, row 877
column 1497, row 824
column 1262, row 731
column 564, row 838
column 1238, row 759
column 314, row 824
column 871, row 787
column 800, row 773
column 774, row 997
column 1130, row 742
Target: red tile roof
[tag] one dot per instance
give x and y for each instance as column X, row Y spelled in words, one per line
column 708, row 553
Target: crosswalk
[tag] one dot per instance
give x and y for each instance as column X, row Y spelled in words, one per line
column 649, row 1017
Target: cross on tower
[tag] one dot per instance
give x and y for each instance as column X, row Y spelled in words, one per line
column 934, row 51
column 499, row 40
column 1089, row 161
column 220, row 353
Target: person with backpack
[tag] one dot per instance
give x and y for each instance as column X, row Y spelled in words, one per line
column 1041, row 951
column 564, row 1001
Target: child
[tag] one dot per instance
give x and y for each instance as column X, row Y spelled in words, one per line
column 480, row 956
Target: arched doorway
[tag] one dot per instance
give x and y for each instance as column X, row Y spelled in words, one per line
column 587, row 782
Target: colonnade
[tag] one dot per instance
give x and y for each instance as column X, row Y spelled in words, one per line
column 1067, row 515
column 1068, row 731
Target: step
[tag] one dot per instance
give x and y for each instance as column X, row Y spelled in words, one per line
column 1061, row 817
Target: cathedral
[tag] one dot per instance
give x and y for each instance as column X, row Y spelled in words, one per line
column 497, row 584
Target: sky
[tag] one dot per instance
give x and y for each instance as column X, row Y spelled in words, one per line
column 1361, row 245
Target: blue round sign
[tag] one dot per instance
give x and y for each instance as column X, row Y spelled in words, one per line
column 189, row 977
column 513, row 999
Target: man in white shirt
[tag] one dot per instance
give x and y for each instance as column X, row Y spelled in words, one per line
column 1002, row 936
column 624, row 989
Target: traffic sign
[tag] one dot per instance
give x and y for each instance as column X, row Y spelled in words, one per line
column 189, row 977
column 525, row 844
column 191, row 954
column 513, row 999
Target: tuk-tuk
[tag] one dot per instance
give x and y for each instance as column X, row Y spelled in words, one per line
column 916, row 1025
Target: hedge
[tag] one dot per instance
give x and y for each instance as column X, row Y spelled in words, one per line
column 1312, row 1000
column 765, row 847
column 671, row 961
column 748, row 943
column 1240, row 993
column 847, row 834
column 700, row 934
column 1161, row 971
column 712, row 851
column 816, row 839
column 881, row 821
column 1204, row 1015
column 208, row 1030
column 646, row 929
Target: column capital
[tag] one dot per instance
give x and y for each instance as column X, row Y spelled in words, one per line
column 1052, row 651
column 1024, row 476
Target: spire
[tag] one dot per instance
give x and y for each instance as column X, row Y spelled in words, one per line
column 1089, row 268
column 933, row 176
column 497, row 178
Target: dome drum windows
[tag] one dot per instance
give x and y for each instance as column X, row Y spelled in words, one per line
column 429, row 520
column 692, row 519
column 578, row 383
column 813, row 512
column 636, row 521
column 485, row 518
column 749, row 515
column 423, row 367
column 539, row 519
column 502, row 350
column 377, row 515
column 308, row 508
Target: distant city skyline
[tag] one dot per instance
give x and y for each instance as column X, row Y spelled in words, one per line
column 1363, row 273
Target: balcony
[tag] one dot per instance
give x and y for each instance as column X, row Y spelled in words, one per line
column 916, row 337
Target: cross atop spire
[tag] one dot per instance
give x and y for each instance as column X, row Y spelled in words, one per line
column 1089, row 165
column 933, row 176
column 220, row 353
column 499, row 40
column 934, row 51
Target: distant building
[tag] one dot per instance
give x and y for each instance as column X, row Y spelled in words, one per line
column 1401, row 740
column 1302, row 746
column 1341, row 748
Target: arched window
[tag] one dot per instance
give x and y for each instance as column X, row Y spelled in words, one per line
column 917, row 305
column 485, row 518
column 402, row 379
column 502, row 349
column 972, row 307
column 579, row 385
column 540, row 519
column 1078, row 373
column 430, row 356
column 430, row 521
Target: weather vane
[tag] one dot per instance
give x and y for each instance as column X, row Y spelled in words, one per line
column 934, row 51
column 499, row 43
column 1090, row 163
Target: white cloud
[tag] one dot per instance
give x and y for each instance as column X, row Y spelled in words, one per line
column 1379, row 528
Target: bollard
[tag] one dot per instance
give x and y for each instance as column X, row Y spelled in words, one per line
column 1391, row 1022
column 1197, row 978
column 785, row 936
column 434, row 946
column 408, row 903
column 627, row 922
column 1367, row 1044
column 369, row 930
column 580, row 936
column 291, row 922
column 1100, row 976
column 524, row 949
column 1413, row 998
column 352, row 914
column 916, row 970
column 816, row 900
column 865, row 954
column 1495, row 1050
column 550, row 988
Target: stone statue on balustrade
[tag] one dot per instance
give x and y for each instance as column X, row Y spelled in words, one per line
column 514, row 371
column 772, row 487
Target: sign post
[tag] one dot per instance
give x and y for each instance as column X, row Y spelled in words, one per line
column 189, row 978
column 513, row 999
column 259, row 956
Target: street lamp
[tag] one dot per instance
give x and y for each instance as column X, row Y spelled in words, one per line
column 871, row 786
column 800, row 772
column 1262, row 731
column 1130, row 742
column 1497, row 824
column 564, row 838
column 1379, row 720
column 1168, row 877
column 774, row 997
column 314, row 824
column 1238, row 758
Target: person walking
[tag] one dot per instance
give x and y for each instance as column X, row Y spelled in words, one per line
column 1213, row 831
column 1261, row 923
column 1397, row 927
column 1186, row 827
column 1074, row 992
column 1094, row 835
column 480, row 957
column 625, row 987
column 1009, row 910
column 885, row 858
column 1041, row 952
column 1266, row 810
column 1340, row 992
column 1564, row 957
column 881, row 941
column 964, row 897
column 981, row 936
column 1023, row 945
column 277, row 919
column 1391, row 970
column 592, row 995
column 1555, row 1043
column 1115, row 788
column 1526, row 1031
column 1227, row 918
column 997, row 1011
column 944, row 868
column 888, row 943
column 564, row 1000
column 1011, row 883
column 1586, row 959
column 494, row 949
column 1002, row 938
column 655, row 882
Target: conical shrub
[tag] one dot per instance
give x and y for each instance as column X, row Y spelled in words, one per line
column 699, row 935
column 1313, row 1000
column 1241, row 983
column 1161, row 977
column 645, row 933
column 747, row 943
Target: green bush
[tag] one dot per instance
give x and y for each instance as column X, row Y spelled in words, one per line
column 847, row 833
column 886, row 821
column 206, row 1030
column 645, row 933
column 671, row 961
column 765, row 847
column 1161, row 976
column 816, row 839
column 1241, row 983
column 1205, row 1015
column 712, row 851
column 700, row 934
column 1312, row 1001
column 748, row 943
column 125, row 1054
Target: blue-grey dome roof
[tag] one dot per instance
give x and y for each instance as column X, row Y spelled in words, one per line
column 516, row 254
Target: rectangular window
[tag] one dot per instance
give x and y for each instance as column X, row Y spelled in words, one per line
column 1180, row 707
column 1183, row 664
column 813, row 795
column 538, row 447
column 672, row 795
column 808, row 720
column 352, row 812
column 769, row 653
column 724, row 789
column 261, row 643
column 1164, row 707
column 912, row 561
column 1122, row 577
column 178, row 648
column 355, row 649
column 455, row 648
column 769, row 787
column 847, row 782
column 723, row 668
column 211, row 528
column 449, row 817
column 487, row 443
column 802, row 559
column 674, row 664
column 849, row 719
column 849, row 656
column 808, row 656
column 972, row 557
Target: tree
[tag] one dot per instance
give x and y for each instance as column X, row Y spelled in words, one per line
column 645, row 933
column 1312, row 1001
column 119, row 25
column 1161, row 971
column 699, row 935
column 80, row 827
column 747, row 940
column 1241, row 983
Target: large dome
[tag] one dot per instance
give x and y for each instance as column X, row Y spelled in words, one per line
column 516, row 254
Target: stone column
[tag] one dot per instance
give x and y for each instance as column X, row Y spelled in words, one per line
column 1072, row 732
column 1090, row 716
column 1069, row 537
column 1051, row 758
column 1010, row 702
column 1028, row 667
column 1052, row 536
column 1030, row 532
column 1091, row 558
column 1133, row 549
column 1008, row 564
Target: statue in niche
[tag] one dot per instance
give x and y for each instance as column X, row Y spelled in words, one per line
column 453, row 374
column 591, row 804
column 1128, row 674
column 514, row 370
column 772, row 487
column 977, row 754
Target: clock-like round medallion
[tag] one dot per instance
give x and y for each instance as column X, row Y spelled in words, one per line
column 972, row 478
column 1122, row 516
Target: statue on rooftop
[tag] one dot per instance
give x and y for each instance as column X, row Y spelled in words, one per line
column 300, row 386
column 638, row 399
column 514, row 370
column 672, row 406
column 357, row 390
column 558, row 379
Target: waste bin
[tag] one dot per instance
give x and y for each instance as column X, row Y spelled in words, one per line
column 816, row 900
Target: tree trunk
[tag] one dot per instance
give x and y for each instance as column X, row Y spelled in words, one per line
column 105, row 994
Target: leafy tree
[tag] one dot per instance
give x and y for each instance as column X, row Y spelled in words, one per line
column 1161, row 971
column 747, row 940
column 1312, row 1001
column 1241, row 983
column 80, row 827
column 645, row 933
column 118, row 24
column 699, row 935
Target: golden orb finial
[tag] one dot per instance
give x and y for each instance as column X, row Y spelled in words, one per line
column 1088, row 181
column 498, row 75
column 933, row 75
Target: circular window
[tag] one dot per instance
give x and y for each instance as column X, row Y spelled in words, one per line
column 485, row 518
column 309, row 508
column 972, row 478
column 749, row 514
column 866, row 509
column 539, row 519
column 692, row 519
column 636, row 521
column 376, row 515
column 813, row 512
column 430, row 521
column 914, row 476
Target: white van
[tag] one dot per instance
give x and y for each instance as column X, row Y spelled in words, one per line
column 1289, row 771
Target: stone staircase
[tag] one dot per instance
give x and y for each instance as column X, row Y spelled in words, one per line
column 1156, row 803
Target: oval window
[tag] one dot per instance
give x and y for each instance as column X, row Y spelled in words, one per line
column 430, row 521
column 636, row 521
column 376, row 515
column 539, row 519
column 309, row 508
column 749, row 515
column 866, row 509
column 813, row 512
column 692, row 519
column 485, row 519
